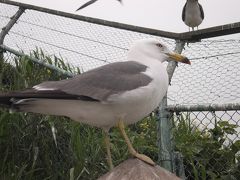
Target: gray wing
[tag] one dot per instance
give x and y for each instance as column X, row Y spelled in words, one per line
column 183, row 12
column 100, row 83
column 201, row 11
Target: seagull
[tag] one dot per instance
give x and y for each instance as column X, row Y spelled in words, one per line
column 91, row 2
column 116, row 94
column 192, row 14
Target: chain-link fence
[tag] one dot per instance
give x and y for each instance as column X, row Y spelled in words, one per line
column 213, row 76
column 207, row 139
column 208, row 136
column 208, row 142
column 82, row 44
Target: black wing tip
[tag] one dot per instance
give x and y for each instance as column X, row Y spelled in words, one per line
column 183, row 12
column 201, row 11
column 5, row 100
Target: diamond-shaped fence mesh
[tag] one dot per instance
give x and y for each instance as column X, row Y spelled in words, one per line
column 213, row 77
column 209, row 141
column 82, row 44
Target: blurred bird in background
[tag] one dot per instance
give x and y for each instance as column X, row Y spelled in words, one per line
column 91, row 2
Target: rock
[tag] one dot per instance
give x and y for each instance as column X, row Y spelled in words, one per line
column 135, row 169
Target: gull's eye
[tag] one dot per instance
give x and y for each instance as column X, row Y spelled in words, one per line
column 159, row 45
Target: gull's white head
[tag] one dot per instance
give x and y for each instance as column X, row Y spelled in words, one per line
column 153, row 49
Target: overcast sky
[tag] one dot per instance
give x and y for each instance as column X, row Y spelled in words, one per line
column 157, row 14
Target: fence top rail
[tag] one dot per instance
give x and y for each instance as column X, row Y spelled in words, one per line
column 186, row 36
column 204, row 107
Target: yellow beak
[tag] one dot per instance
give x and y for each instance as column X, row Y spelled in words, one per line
column 178, row 58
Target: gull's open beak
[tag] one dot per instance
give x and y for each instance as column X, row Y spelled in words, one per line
column 178, row 58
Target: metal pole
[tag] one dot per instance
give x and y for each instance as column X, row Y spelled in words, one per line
column 7, row 28
column 166, row 156
column 204, row 107
column 10, row 24
column 17, row 53
column 4, row 32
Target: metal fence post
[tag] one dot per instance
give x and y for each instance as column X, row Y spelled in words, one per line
column 166, row 156
column 7, row 28
column 3, row 48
